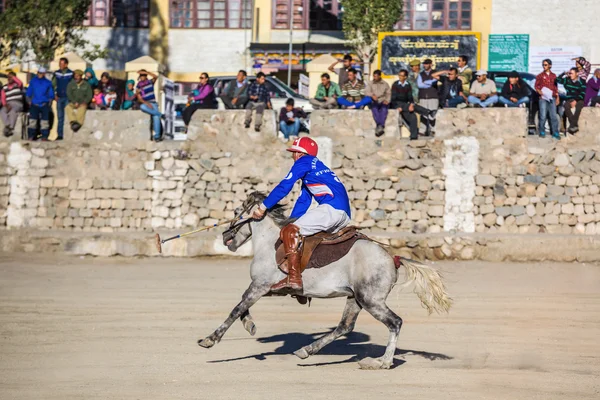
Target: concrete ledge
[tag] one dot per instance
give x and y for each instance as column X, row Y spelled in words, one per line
column 111, row 126
column 487, row 247
column 339, row 123
column 206, row 123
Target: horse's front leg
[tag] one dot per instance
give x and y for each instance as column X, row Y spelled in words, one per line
column 254, row 292
column 248, row 322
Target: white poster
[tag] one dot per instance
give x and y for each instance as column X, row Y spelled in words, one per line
column 169, row 106
column 303, row 85
column 562, row 58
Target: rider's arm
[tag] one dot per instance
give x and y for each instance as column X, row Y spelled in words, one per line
column 299, row 169
column 302, row 204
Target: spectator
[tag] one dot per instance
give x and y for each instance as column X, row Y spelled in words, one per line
column 129, row 96
column 235, row 94
column 592, row 93
column 451, row 94
column 514, row 92
column 575, row 87
column 353, row 92
column 342, row 72
column 40, row 94
column 327, row 94
column 98, row 100
column 289, row 119
column 60, row 81
column 583, row 68
column 380, row 94
column 79, row 93
column 483, row 91
column 465, row 74
column 110, row 98
column 413, row 77
column 90, row 77
column 12, row 103
column 145, row 88
column 259, row 99
column 402, row 100
column 428, row 95
column 105, row 82
column 203, row 97
column 545, row 85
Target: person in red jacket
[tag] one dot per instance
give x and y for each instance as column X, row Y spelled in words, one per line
column 545, row 85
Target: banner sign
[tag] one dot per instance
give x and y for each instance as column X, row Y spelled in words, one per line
column 561, row 56
column 398, row 49
column 509, row 53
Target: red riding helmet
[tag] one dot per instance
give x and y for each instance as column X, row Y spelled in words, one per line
column 304, row 145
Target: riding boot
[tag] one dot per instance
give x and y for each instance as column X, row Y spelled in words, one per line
column 290, row 235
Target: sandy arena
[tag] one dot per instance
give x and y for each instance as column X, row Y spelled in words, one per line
column 74, row 328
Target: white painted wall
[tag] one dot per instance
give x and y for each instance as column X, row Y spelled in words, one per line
column 551, row 23
column 209, row 50
column 124, row 45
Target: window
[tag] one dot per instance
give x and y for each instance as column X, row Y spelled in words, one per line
column 2, row 5
column 119, row 13
column 281, row 14
column 436, row 15
column 324, row 15
column 216, row 14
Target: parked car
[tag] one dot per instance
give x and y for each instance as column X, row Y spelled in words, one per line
column 279, row 91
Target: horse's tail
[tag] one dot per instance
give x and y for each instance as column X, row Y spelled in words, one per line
column 429, row 284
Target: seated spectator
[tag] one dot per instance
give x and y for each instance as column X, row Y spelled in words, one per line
column 483, row 91
column 575, row 87
column 592, row 92
column 12, row 103
column 353, row 93
column 514, row 92
column 380, row 94
column 327, row 94
column 203, row 97
column 105, row 82
column 403, row 101
column 90, row 77
column 79, row 93
column 145, row 94
column 465, row 74
column 289, row 119
column 583, row 68
column 451, row 94
column 259, row 100
column 98, row 100
column 110, row 98
column 129, row 96
column 235, row 94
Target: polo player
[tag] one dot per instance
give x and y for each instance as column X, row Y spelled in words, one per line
column 331, row 214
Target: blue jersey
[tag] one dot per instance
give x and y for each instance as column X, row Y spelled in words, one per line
column 318, row 182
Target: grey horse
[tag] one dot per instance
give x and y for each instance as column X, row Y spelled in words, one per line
column 366, row 275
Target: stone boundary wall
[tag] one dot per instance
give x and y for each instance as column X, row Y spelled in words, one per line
column 476, row 178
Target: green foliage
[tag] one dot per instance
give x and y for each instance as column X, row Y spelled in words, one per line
column 364, row 19
column 42, row 27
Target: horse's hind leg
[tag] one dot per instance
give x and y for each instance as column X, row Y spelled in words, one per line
column 381, row 312
column 248, row 322
column 345, row 326
column 251, row 296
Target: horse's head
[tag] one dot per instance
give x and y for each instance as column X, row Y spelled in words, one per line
column 239, row 232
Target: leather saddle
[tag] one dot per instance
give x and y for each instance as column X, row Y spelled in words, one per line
column 321, row 249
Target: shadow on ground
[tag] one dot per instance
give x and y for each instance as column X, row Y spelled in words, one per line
column 355, row 345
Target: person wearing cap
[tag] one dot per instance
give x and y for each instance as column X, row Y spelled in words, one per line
column 483, row 91
column 413, row 76
column 145, row 88
column 332, row 213
column 79, row 93
column 546, row 87
column 40, row 94
column 60, row 81
column 515, row 92
column 12, row 102
column 428, row 94
column 592, row 92
column 575, row 87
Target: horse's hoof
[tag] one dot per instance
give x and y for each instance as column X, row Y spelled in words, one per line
column 207, row 343
column 250, row 327
column 302, row 353
column 373, row 363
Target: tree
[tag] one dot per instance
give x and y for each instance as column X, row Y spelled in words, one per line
column 364, row 19
column 38, row 28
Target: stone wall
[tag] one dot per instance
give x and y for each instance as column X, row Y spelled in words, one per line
column 478, row 177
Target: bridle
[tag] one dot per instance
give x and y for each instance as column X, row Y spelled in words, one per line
column 235, row 225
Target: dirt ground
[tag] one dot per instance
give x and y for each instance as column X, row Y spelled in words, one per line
column 73, row 328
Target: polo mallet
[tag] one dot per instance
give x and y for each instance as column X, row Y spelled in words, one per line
column 160, row 242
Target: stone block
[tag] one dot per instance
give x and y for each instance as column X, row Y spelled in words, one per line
column 485, row 180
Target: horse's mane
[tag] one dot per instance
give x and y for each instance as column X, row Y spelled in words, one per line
column 278, row 213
